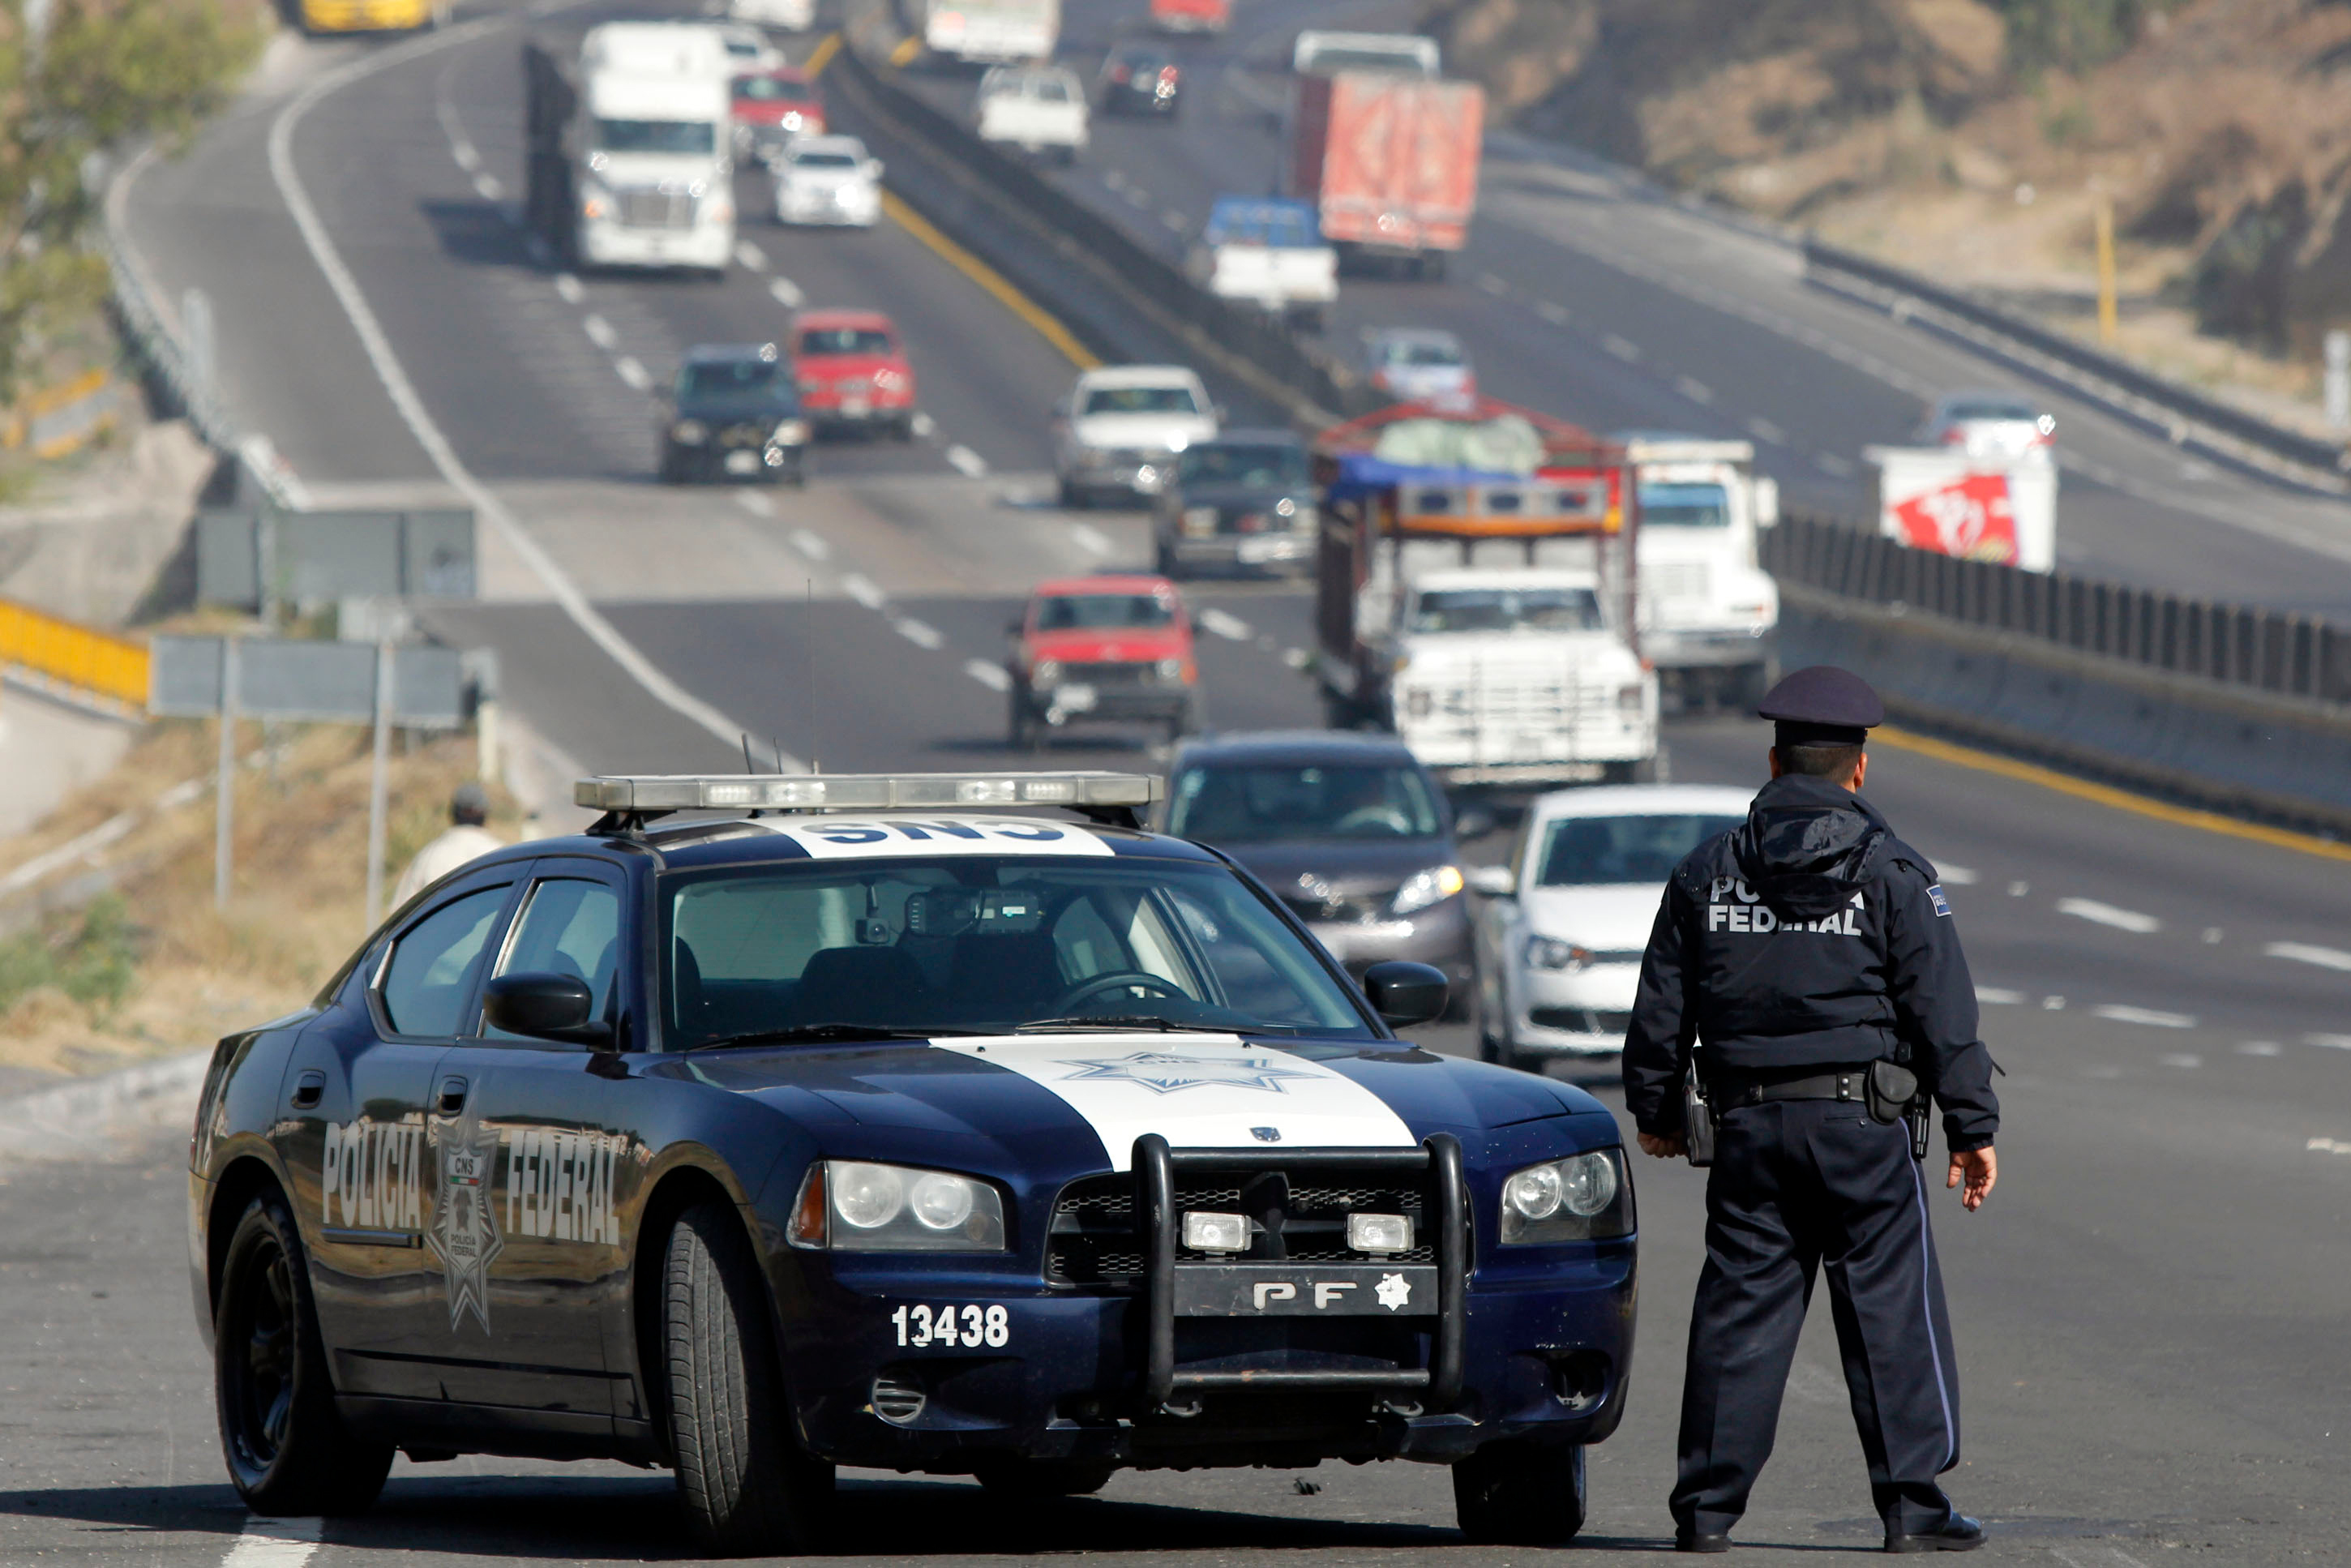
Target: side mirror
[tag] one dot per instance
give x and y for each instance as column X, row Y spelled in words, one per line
column 1474, row 822
column 544, row 1007
column 1494, row 881
column 1404, row 993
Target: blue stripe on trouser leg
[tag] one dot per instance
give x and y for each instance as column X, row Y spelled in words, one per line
column 1796, row 1185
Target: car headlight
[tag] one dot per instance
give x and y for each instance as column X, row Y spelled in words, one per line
column 888, row 380
column 1629, row 698
column 1170, row 669
column 689, row 433
column 1434, row 885
column 1551, row 952
column 1047, row 671
column 857, row 1205
column 1199, row 521
column 790, row 433
column 1177, row 442
column 1579, row 1198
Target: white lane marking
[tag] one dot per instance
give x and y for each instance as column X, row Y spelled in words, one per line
column 2212, row 935
column 2303, row 953
column 1230, row 627
column 274, row 1544
column 1493, row 286
column 1998, row 997
column 633, row 372
column 567, row 289
column 920, row 633
column 600, row 332
column 787, row 293
column 1693, row 389
column 2098, row 914
column 926, row 426
column 755, row 503
column 1623, row 348
column 749, row 257
column 468, row 159
column 2331, row 1041
column 1175, row 220
column 1138, row 196
column 2259, row 1048
column 2328, row 1146
column 1091, row 538
column 1297, row 658
column 2117, row 1012
column 1830, row 463
column 812, row 546
column 1553, row 311
column 967, row 462
column 1764, row 430
column 2053, row 1004
column 2019, row 889
column 1116, row 178
column 860, row 587
column 410, row 406
column 2182, row 1059
column 486, row 186
column 1958, row 876
column 992, row 677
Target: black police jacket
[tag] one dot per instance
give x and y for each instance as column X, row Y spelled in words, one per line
column 1808, row 936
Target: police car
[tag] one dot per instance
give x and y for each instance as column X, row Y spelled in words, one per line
column 942, row 1124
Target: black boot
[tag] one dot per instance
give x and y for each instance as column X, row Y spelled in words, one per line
column 1957, row 1533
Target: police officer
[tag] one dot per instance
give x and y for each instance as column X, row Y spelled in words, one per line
column 1809, row 959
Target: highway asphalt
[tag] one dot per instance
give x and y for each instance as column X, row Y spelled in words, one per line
column 2150, row 1312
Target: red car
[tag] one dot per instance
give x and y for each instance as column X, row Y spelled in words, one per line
column 773, row 107
column 1191, row 16
column 1111, row 650
column 853, row 372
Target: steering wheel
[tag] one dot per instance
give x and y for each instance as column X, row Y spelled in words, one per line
column 1386, row 817
column 1117, row 979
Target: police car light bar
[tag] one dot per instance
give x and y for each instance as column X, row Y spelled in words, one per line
column 862, row 791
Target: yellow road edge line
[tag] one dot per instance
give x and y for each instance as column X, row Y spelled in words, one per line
column 988, row 279
column 2107, row 795
column 908, row 48
column 821, row 56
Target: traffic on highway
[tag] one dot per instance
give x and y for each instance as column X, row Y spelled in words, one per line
column 1073, row 991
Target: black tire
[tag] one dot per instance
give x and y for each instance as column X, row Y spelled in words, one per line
column 289, row 1454
column 1515, row 1494
column 672, row 468
column 1073, row 498
column 1031, row 1480
column 747, row 1489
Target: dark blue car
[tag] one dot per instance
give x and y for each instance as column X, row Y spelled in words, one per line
column 782, row 1123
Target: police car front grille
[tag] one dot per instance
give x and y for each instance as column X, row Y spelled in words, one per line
column 1096, row 1235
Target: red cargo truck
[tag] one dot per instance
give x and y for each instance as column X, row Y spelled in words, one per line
column 1391, row 163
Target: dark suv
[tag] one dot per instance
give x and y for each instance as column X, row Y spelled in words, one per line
column 734, row 413
column 1349, row 831
column 1244, row 501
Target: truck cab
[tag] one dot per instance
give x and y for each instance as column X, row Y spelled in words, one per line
column 641, row 123
column 1709, row 615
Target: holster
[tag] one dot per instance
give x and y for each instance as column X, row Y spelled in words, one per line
column 1893, row 1095
column 1697, row 1117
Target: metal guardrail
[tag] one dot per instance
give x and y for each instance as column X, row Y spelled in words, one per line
column 2182, row 412
column 2231, row 644
column 77, row 663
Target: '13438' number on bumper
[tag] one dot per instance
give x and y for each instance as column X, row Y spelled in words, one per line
column 970, row 1327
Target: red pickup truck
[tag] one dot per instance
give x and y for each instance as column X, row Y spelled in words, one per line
column 1108, row 650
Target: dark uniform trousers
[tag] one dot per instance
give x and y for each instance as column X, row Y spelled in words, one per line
column 1797, row 1185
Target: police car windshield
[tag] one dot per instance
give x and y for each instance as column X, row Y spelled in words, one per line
column 1255, row 805
column 1105, row 612
column 965, row 944
column 1684, row 506
column 1508, row 610
column 1582, row 851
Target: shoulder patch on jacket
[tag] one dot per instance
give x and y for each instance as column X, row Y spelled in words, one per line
column 1942, row 906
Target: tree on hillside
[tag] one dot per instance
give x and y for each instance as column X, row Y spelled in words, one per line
column 2073, row 35
column 80, row 78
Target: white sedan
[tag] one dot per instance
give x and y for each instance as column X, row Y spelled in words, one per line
column 1565, row 921
column 827, row 179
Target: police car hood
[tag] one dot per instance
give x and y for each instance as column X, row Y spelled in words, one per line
column 1020, row 1097
column 1807, row 845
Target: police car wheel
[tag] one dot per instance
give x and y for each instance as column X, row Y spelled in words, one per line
column 1030, row 1478
column 289, row 1452
column 748, row 1490
column 1516, row 1494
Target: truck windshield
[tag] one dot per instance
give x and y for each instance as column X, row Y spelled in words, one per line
column 1219, row 464
column 1579, row 852
column 1255, row 805
column 1141, row 400
column 680, row 136
column 1684, row 506
column 1507, row 610
column 1105, row 611
column 982, row 945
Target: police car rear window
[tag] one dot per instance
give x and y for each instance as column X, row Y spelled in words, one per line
column 1583, row 851
column 984, row 946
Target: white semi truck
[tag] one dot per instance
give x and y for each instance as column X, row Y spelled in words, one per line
column 1710, row 616
column 988, row 32
column 628, row 140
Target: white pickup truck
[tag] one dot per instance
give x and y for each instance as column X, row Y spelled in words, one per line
column 1038, row 109
column 1268, row 252
column 1709, row 617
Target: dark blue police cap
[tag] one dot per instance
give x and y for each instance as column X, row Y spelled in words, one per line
column 1823, row 705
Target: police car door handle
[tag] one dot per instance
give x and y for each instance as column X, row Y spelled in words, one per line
column 453, row 1096
column 309, row 1089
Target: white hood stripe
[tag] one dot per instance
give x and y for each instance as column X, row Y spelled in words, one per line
column 1199, row 1091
